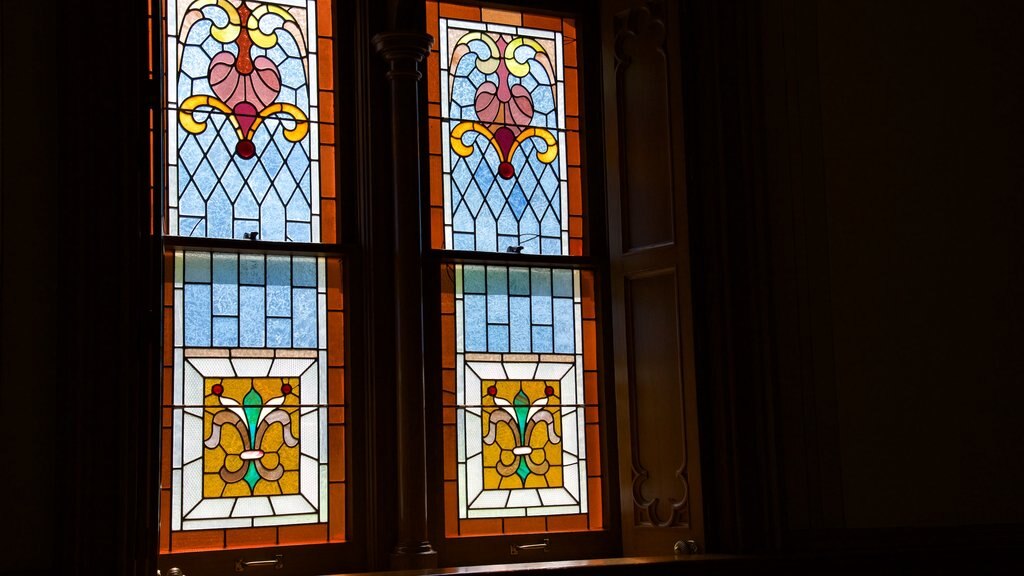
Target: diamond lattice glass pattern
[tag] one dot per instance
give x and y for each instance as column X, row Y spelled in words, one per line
column 243, row 117
column 503, row 132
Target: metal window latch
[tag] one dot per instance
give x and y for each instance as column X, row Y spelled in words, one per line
column 687, row 547
column 515, row 549
column 277, row 563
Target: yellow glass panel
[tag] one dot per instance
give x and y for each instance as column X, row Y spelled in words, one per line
column 289, row 482
column 511, row 482
column 213, row 460
column 265, row 488
column 213, row 486
column 237, row 489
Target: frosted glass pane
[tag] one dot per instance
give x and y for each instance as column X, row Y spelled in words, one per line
column 252, row 322
column 565, row 326
column 253, row 506
column 197, row 314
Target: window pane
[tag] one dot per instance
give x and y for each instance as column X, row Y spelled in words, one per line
column 250, row 120
column 504, row 132
column 253, row 401
column 520, row 400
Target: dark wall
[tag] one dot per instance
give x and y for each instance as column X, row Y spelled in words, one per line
column 922, row 124
column 29, row 388
column 854, row 181
column 890, row 204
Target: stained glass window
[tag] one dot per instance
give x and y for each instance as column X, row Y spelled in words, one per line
column 519, row 343
column 253, row 383
column 249, row 115
column 520, row 391
column 254, row 405
column 504, row 134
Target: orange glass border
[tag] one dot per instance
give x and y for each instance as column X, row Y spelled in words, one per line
column 436, row 10
column 230, row 538
column 455, row 527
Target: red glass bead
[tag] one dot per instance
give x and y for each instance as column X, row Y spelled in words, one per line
column 549, row 391
column 245, row 148
column 506, row 171
column 286, row 389
column 217, row 389
column 492, row 391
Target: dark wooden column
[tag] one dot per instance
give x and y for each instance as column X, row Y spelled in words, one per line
column 404, row 51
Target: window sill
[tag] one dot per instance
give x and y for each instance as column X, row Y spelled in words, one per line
column 651, row 565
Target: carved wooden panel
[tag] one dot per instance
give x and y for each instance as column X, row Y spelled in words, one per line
column 655, row 388
column 660, row 486
column 644, row 112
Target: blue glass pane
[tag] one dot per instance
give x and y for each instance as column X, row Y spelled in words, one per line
column 304, row 318
column 253, row 320
column 304, row 272
column 218, row 215
column 279, row 332
column 497, row 338
column 197, row 267
column 197, row 314
column 299, row 232
column 519, row 281
column 279, row 301
column 476, row 323
column 464, row 241
column 541, row 292
column 542, row 339
column 565, row 327
column 473, row 280
column 225, row 285
column 497, row 297
column 562, row 283
column 251, row 267
column 272, row 224
column 225, row 331
column 551, row 245
column 486, row 232
column 519, row 324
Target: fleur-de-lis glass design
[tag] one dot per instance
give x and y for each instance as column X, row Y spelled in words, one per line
column 249, row 439
column 522, row 434
column 245, row 88
column 504, row 107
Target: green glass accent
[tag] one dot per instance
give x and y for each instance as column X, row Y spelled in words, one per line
column 523, row 471
column 252, row 402
column 251, row 476
column 522, row 408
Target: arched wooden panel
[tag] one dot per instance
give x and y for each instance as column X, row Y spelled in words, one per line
column 641, row 73
column 659, row 468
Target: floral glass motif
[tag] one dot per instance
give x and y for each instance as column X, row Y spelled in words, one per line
column 250, row 447
column 521, row 441
column 243, row 116
column 502, row 116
